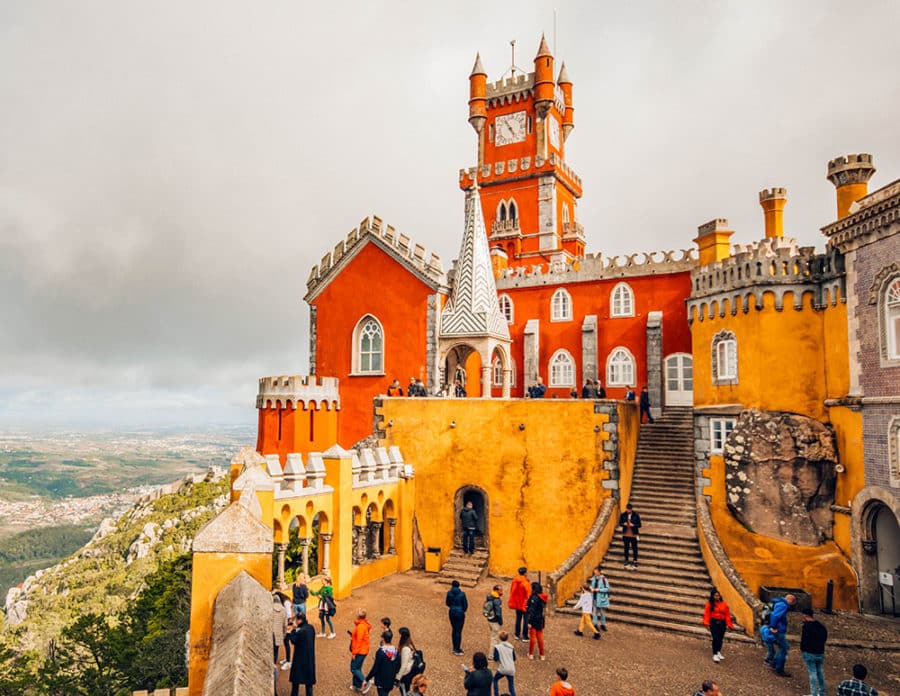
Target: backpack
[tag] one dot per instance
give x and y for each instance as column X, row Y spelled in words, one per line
column 418, row 664
column 766, row 612
column 488, row 609
column 330, row 606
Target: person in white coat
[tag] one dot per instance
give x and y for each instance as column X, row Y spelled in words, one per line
column 585, row 605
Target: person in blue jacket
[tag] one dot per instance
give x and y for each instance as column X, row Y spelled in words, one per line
column 778, row 625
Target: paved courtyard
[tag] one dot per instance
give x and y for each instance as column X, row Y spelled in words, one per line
column 628, row 660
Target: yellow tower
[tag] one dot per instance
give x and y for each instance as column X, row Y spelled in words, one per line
column 850, row 175
column 773, row 201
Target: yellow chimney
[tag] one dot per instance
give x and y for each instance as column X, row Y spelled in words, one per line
column 850, row 175
column 773, row 201
column 712, row 241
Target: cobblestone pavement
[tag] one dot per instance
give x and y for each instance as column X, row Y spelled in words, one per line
column 628, row 660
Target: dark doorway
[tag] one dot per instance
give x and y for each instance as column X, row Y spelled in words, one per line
column 479, row 500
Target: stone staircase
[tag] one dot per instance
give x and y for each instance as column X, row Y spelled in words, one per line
column 467, row 569
column 671, row 585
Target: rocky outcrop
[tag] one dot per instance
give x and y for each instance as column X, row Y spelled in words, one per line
column 779, row 475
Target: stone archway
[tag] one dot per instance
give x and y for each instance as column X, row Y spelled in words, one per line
column 875, row 538
column 479, row 499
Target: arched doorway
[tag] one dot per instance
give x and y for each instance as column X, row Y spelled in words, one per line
column 464, row 364
column 479, row 499
column 875, row 514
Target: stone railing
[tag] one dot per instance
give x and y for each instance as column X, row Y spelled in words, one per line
column 373, row 227
column 299, row 388
column 573, row 231
column 505, row 228
column 523, row 164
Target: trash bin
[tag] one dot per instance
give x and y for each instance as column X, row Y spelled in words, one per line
column 768, row 592
column 433, row 559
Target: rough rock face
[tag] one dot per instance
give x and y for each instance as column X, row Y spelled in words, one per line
column 779, row 475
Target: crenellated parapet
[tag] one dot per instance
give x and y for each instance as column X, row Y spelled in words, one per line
column 598, row 267
column 487, row 173
column 414, row 256
column 519, row 88
column 311, row 391
column 775, row 265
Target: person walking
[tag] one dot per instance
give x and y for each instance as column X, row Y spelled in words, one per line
column 383, row 672
column 279, row 631
column 536, row 603
column 562, row 687
column 478, row 677
column 812, row 649
column 505, row 657
column 303, row 667
column 359, row 649
column 518, row 600
column 585, row 605
column 493, row 612
column 407, row 653
column 468, row 520
column 778, row 628
column 716, row 618
column 856, row 686
column 645, row 405
column 630, row 522
column 600, row 589
column 457, row 606
column 326, row 604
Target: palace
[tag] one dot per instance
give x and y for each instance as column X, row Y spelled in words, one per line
column 776, row 367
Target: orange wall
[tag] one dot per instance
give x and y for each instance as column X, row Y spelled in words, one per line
column 372, row 283
column 302, row 430
column 651, row 293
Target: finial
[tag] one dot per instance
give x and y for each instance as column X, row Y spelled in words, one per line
column 478, row 68
column 544, row 49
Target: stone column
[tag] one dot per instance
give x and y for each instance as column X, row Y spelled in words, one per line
column 654, row 362
column 280, row 548
column 304, row 545
column 486, row 381
column 375, row 536
column 507, row 383
column 531, row 344
column 589, row 348
column 359, row 543
column 325, row 542
column 392, row 528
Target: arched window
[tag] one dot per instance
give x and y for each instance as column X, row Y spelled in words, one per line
column 562, row 369
column 565, row 213
column 620, row 369
column 894, row 450
column 561, row 306
column 513, row 210
column 891, row 318
column 497, row 372
column 501, row 211
column 506, row 308
column 724, row 358
column 622, row 301
column 368, row 346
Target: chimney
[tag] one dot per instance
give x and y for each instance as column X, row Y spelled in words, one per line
column 499, row 261
column 773, row 201
column 850, row 175
column 712, row 241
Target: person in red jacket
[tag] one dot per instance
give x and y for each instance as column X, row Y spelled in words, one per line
column 518, row 602
column 562, row 687
column 359, row 648
column 716, row 617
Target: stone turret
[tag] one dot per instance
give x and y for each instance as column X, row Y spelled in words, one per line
column 565, row 84
column 477, row 95
column 773, row 201
column 850, row 175
column 544, row 85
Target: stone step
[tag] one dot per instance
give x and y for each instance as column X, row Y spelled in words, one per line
column 640, row 582
column 635, row 596
column 665, row 552
column 643, row 498
column 654, row 576
column 662, row 540
column 687, row 629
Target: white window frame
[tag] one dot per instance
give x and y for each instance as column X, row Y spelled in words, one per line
column 613, row 362
column 719, row 428
column 890, row 315
column 565, row 213
column 501, row 211
column 724, row 354
column 497, row 372
column 358, row 355
column 621, row 301
column 561, row 360
column 507, row 308
column 561, row 306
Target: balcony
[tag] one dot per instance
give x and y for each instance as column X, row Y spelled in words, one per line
column 573, row 232
column 505, row 228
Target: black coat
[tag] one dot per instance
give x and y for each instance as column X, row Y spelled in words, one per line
column 478, row 682
column 469, row 518
column 303, row 663
column 457, row 603
column 635, row 521
column 384, row 669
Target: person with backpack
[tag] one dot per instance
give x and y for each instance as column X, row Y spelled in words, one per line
column 327, row 607
column 384, row 668
column 412, row 662
column 717, row 617
column 600, row 590
column 777, row 624
column 518, row 598
column 536, row 603
column 493, row 612
column 505, row 657
column 458, row 605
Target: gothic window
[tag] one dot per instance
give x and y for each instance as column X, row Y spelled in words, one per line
column 501, row 211
column 719, row 428
column 491, row 132
column 561, row 306
column 565, row 213
column 368, row 347
column 562, row 369
column 724, row 358
column 622, row 301
column 891, row 318
column 513, row 211
column 506, row 308
column 620, row 368
column 497, row 372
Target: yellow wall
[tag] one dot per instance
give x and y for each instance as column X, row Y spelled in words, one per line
column 629, row 427
column 538, row 480
column 762, row 560
column 848, row 431
column 836, row 351
column 211, row 572
column 571, row 581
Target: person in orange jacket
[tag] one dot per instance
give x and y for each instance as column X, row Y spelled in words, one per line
column 716, row 616
column 359, row 649
column 519, row 591
column 562, row 687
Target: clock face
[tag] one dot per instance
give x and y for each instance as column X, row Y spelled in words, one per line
column 554, row 132
column 510, row 128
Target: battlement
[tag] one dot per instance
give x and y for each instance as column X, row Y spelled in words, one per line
column 412, row 255
column 597, row 267
column 487, row 172
column 775, row 192
column 850, row 169
column 305, row 389
column 511, row 87
column 717, row 225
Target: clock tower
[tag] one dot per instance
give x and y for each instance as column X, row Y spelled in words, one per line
column 528, row 192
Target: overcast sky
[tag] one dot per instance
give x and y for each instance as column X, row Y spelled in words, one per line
column 169, row 171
